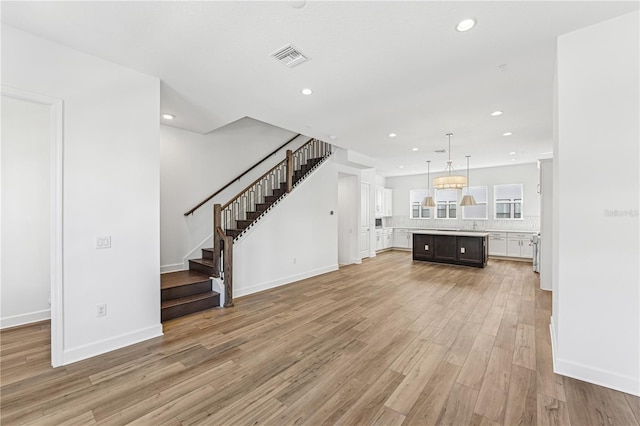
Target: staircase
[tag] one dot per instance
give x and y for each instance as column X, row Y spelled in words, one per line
column 186, row 292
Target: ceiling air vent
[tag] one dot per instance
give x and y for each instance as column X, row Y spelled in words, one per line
column 290, row 56
column 440, row 151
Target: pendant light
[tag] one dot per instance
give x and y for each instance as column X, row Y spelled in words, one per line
column 450, row 181
column 468, row 199
column 428, row 200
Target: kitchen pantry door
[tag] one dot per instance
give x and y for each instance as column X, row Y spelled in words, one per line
column 364, row 220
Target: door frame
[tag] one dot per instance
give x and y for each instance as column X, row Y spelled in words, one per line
column 56, row 214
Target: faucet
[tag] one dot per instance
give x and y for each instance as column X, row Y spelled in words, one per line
column 475, row 225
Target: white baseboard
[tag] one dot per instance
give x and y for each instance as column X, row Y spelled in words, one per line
column 282, row 281
column 22, row 319
column 107, row 345
column 172, row 268
column 590, row 374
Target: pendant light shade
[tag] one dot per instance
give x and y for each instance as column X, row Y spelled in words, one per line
column 428, row 200
column 450, row 181
column 468, row 199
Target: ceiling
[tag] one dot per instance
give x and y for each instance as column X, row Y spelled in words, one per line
column 376, row 68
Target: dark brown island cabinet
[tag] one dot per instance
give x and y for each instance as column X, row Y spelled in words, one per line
column 455, row 248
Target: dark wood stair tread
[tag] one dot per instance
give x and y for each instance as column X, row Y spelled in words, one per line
column 188, row 299
column 180, row 278
column 206, row 262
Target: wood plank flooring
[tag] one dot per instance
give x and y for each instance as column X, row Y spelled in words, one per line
column 387, row 342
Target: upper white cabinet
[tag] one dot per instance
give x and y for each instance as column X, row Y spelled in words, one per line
column 387, row 205
column 384, row 202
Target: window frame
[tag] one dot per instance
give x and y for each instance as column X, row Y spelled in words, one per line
column 485, row 203
column 512, row 203
column 418, row 204
column 447, row 203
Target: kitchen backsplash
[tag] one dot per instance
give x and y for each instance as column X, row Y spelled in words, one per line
column 528, row 223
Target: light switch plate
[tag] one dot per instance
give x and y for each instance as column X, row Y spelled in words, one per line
column 103, row 242
column 462, row 250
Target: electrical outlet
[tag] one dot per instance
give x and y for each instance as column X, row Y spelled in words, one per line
column 102, row 310
column 103, row 242
column 462, row 250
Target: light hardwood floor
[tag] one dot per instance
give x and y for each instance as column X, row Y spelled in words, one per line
column 388, row 342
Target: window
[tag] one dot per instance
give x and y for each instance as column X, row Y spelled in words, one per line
column 416, row 196
column 479, row 211
column 508, row 201
column 446, row 203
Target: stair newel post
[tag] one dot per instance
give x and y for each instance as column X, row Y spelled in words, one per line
column 228, row 272
column 289, row 170
column 217, row 223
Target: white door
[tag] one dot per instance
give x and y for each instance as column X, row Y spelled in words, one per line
column 364, row 220
column 31, row 200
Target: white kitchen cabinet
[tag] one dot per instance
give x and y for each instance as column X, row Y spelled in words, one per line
column 379, row 239
column 498, row 244
column 519, row 245
column 387, row 202
column 387, row 235
column 401, row 238
column 384, row 202
column 379, row 201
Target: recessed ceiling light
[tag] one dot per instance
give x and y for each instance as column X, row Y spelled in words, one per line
column 512, row 153
column 465, row 25
column 392, row 135
column 507, row 134
column 496, row 113
column 168, row 116
column 513, row 159
column 401, row 167
column 414, row 149
column 306, row 91
column 332, row 137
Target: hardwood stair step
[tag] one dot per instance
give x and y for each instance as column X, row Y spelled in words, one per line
column 187, row 305
column 180, row 278
column 253, row 215
column 207, row 253
column 175, row 285
column 262, row 206
column 202, row 265
column 233, row 232
column 271, row 198
column 243, row 224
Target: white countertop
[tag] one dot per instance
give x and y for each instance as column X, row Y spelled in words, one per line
column 413, row 229
column 452, row 233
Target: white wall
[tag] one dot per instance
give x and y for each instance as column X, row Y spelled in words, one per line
column 297, row 239
column 194, row 166
column 111, row 187
column 26, row 192
column 597, row 317
column 527, row 174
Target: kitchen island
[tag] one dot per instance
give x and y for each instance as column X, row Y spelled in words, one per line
column 455, row 247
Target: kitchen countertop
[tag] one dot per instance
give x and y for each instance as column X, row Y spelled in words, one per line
column 461, row 233
column 528, row 231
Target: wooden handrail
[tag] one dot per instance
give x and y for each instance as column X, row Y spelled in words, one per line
column 203, row 202
column 251, row 184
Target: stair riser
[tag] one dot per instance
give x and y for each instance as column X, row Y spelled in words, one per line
column 201, row 268
column 242, row 224
column 207, row 254
column 262, row 206
column 253, row 215
column 186, row 290
column 271, row 198
column 189, row 308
